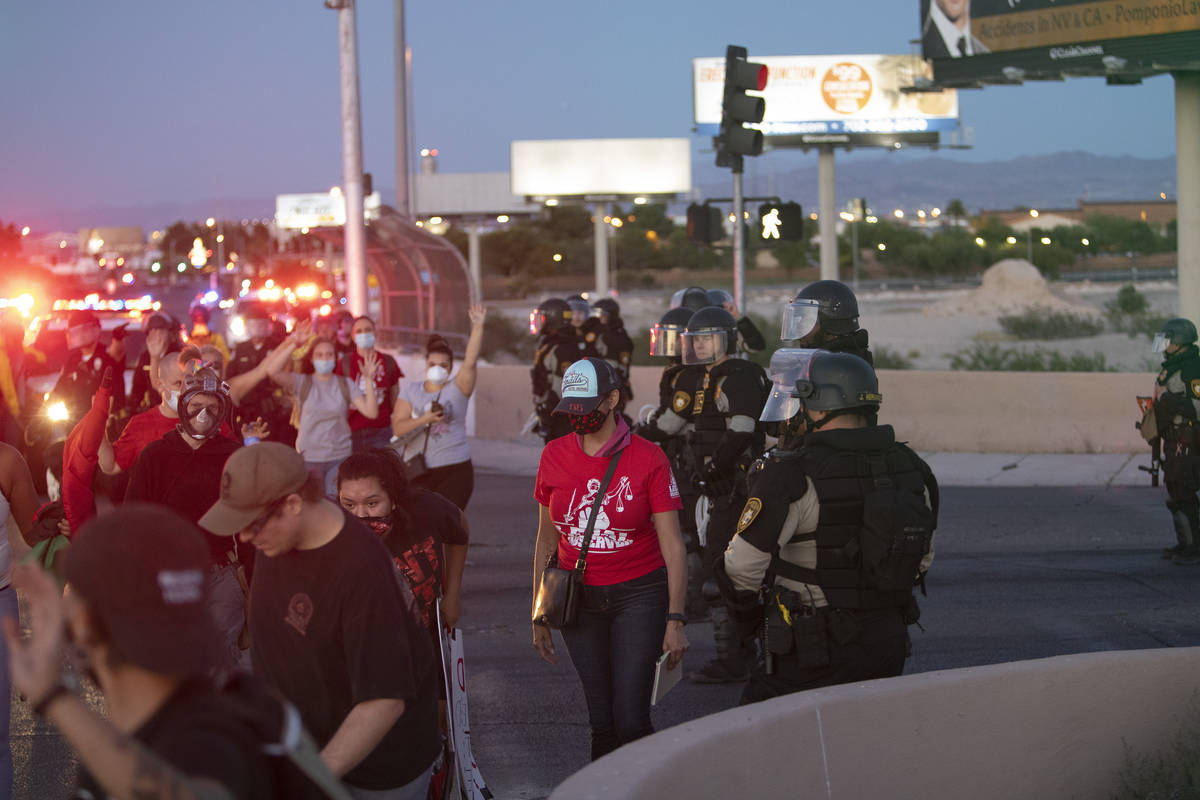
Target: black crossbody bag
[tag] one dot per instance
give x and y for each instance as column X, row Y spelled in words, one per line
column 559, row 593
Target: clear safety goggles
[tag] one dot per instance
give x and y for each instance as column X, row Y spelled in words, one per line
column 789, row 366
column 799, row 319
column 666, row 340
column 1161, row 343
column 704, row 347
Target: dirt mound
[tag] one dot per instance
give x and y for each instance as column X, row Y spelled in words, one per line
column 1011, row 286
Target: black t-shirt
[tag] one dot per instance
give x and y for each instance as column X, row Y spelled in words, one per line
column 196, row 733
column 330, row 630
column 423, row 524
column 80, row 378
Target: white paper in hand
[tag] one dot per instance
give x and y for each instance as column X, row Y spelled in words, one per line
column 665, row 679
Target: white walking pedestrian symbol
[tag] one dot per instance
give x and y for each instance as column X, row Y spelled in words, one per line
column 770, row 223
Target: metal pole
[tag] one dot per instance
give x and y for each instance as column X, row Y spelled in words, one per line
column 854, row 249
column 600, row 235
column 1029, row 241
column 401, row 111
column 739, row 242
column 215, row 284
column 828, row 199
column 474, row 263
column 1187, row 183
column 352, row 172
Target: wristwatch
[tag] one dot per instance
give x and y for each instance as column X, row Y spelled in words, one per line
column 680, row 618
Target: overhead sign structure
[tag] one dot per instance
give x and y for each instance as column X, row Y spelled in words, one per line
column 601, row 167
column 854, row 99
column 1008, row 41
column 319, row 210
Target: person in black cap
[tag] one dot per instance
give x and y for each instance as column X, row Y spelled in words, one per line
column 137, row 614
column 85, row 365
column 615, row 345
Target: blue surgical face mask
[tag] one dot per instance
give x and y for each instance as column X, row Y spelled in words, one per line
column 324, row 366
column 365, row 340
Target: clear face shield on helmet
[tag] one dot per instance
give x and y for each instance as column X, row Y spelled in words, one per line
column 788, row 365
column 580, row 311
column 799, row 319
column 1161, row 343
column 704, row 347
column 666, row 340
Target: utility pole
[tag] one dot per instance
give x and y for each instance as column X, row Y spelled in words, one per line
column 739, row 239
column 352, row 170
column 401, row 112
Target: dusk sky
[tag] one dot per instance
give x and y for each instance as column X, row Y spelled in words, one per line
column 142, row 102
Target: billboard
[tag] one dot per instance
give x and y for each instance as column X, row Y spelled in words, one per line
column 319, row 210
column 601, row 167
column 833, row 98
column 1010, row 40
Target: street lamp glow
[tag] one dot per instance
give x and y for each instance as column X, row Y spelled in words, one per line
column 1085, row 242
column 210, row 222
column 639, row 201
column 920, row 213
column 336, row 191
column 937, row 212
column 435, row 220
column 25, row 231
column 558, row 256
column 1045, row 240
column 616, row 223
column 898, row 214
column 979, row 241
column 1033, row 212
column 1011, row 240
column 872, row 219
column 847, row 216
column 502, row 218
column 812, row 216
column 881, row 246
column 304, row 230
column 1163, row 195
column 552, row 202
column 220, row 237
column 62, row 244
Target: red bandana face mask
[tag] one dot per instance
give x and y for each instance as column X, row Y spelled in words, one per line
column 380, row 525
column 583, row 424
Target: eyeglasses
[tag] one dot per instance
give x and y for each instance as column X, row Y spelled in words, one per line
column 259, row 522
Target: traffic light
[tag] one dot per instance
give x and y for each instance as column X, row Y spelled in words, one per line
column 368, row 184
column 738, row 109
column 704, row 223
column 782, row 222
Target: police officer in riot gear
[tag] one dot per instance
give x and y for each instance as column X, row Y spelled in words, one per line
column 614, row 343
column 751, row 338
column 557, row 349
column 824, row 314
column 669, row 425
column 1176, row 408
column 837, row 531
column 723, row 401
column 692, row 298
column 587, row 327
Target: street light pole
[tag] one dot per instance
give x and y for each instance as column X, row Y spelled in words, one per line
column 352, row 170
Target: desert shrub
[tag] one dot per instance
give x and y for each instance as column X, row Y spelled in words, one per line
column 1128, row 301
column 1174, row 774
column 503, row 334
column 991, row 357
column 1043, row 324
column 887, row 358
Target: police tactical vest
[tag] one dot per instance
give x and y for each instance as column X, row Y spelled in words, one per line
column 873, row 527
column 706, row 387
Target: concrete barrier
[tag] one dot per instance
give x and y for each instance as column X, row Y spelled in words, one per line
column 1056, row 727
column 949, row 412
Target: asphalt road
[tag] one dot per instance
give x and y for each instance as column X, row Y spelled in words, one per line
column 1019, row 574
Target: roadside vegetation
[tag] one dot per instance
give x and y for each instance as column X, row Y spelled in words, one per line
column 1173, row 775
column 991, row 357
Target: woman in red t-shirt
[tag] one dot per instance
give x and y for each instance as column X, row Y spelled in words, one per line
column 636, row 575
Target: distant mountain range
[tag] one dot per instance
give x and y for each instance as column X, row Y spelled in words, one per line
column 1057, row 180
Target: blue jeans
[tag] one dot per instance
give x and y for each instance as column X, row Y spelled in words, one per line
column 614, row 646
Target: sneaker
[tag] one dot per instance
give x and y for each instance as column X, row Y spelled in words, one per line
column 1170, row 552
column 718, row 671
column 1187, row 557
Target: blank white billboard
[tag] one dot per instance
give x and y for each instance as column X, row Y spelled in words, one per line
column 858, row 94
column 581, row 167
column 319, row 210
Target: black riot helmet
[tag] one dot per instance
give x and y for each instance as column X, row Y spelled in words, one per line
column 832, row 304
column 200, row 378
column 1175, row 331
column 580, row 309
column 666, row 337
column 549, row 316
column 710, row 335
column 693, row 298
column 806, row 380
column 607, row 305
column 719, row 297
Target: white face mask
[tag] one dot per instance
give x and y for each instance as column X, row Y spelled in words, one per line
column 173, row 401
column 437, row 374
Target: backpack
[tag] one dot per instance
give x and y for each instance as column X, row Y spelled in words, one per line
column 897, row 532
column 297, row 771
column 306, row 386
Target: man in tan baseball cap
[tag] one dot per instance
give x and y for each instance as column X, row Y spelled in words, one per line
column 330, row 628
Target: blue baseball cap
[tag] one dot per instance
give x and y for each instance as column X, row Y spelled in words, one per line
column 585, row 384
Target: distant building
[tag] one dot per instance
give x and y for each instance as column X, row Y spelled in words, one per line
column 1157, row 213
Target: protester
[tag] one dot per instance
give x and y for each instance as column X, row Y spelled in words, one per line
column 182, row 471
column 260, row 400
column 136, row 614
column 439, row 407
column 370, row 432
column 148, row 426
column 18, row 501
column 426, row 534
column 329, row 625
column 323, row 402
column 635, row 577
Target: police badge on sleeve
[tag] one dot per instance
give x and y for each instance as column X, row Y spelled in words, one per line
column 749, row 514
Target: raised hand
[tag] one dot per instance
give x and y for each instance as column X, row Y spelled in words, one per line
column 256, row 430
column 370, row 363
column 477, row 313
column 301, row 332
column 156, row 342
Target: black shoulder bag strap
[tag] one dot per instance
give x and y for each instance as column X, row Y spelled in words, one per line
column 581, row 562
column 429, row 428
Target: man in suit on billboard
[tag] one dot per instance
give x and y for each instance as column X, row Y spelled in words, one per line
column 946, row 31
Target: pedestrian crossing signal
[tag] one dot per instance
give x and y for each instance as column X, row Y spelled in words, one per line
column 704, row 223
column 780, row 222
